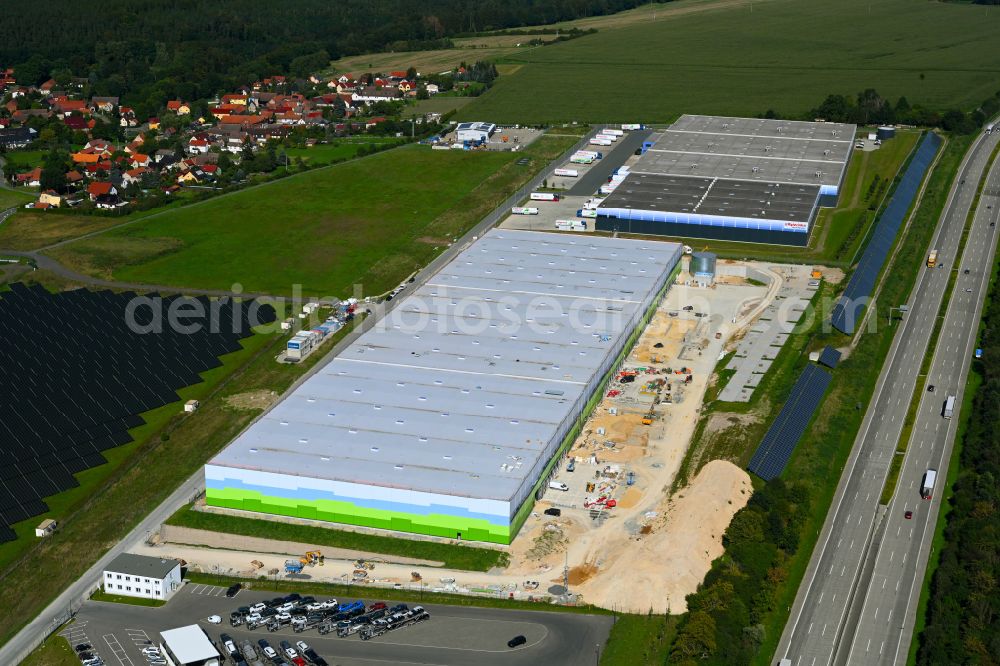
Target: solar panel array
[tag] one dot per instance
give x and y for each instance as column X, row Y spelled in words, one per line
column 829, row 357
column 848, row 310
column 77, row 378
column 776, row 448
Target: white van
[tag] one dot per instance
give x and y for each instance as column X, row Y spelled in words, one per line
column 558, row 485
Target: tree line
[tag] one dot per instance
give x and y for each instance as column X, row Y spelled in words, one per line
column 150, row 52
column 963, row 613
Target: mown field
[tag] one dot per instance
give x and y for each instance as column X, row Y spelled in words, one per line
column 370, row 222
column 746, row 58
column 11, row 198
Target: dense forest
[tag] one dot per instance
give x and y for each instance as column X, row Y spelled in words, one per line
column 963, row 615
column 190, row 49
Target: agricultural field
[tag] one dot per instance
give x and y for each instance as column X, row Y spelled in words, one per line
column 780, row 54
column 371, row 222
column 11, row 198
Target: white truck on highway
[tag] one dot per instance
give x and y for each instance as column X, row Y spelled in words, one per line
column 927, row 485
column 949, row 407
column 989, row 129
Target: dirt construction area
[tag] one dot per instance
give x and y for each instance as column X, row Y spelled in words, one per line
column 620, row 539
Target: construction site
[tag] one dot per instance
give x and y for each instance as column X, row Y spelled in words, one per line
column 607, row 507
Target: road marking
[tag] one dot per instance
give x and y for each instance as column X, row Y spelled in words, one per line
column 117, row 650
column 810, row 629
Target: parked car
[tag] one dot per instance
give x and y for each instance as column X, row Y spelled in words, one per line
column 234, row 590
column 553, row 511
column 517, row 640
column 378, row 605
column 302, row 646
column 227, row 642
column 213, row 619
column 83, row 647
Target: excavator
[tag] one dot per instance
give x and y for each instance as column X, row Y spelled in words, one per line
column 648, row 417
column 312, row 558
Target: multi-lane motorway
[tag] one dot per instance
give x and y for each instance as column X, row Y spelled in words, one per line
column 856, row 604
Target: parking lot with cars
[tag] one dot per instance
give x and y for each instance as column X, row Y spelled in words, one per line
column 254, row 628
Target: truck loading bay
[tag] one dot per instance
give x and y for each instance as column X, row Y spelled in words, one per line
column 454, row 636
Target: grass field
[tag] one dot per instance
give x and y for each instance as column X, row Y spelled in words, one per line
column 339, row 149
column 468, row 558
column 370, row 222
column 101, row 595
column 55, row 651
column 778, row 54
column 11, row 198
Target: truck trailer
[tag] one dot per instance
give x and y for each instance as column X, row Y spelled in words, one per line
column 571, row 173
column 927, row 485
column 544, row 196
column 524, row 210
column 949, row 407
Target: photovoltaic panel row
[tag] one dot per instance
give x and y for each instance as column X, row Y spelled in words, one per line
column 849, row 308
column 85, row 374
column 776, row 448
column 829, row 357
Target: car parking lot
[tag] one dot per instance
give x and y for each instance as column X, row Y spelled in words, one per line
column 449, row 635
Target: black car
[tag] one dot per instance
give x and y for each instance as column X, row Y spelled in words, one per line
column 552, row 511
column 83, row 647
column 399, row 608
column 517, row 640
column 293, row 597
column 930, row 388
column 233, row 590
column 688, row 308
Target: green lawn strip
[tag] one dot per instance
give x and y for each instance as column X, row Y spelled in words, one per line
column 355, row 591
column 54, row 651
column 14, row 198
column 821, row 455
column 159, row 465
column 369, row 221
column 911, row 413
column 640, row 639
column 63, row 506
column 101, row 595
column 937, row 541
column 936, row 61
column 466, row 558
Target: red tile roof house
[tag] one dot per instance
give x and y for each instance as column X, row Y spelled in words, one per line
column 95, row 190
column 31, row 178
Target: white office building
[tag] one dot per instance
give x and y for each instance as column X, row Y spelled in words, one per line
column 141, row 576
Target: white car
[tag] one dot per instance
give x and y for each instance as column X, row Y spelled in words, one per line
column 330, row 604
column 285, row 608
column 292, row 654
column 302, row 646
column 213, row 619
column 283, row 617
column 319, row 605
column 230, row 646
column 257, row 608
column 269, row 651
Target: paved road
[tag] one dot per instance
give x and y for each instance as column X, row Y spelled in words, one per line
column 885, row 606
column 454, row 636
column 58, row 611
column 614, row 157
column 819, row 625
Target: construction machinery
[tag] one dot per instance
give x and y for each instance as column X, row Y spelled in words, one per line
column 312, row 558
column 293, row 566
column 648, row 417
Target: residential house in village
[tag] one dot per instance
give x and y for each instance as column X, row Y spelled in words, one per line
column 103, row 104
column 178, row 107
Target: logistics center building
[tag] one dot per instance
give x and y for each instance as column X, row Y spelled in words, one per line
column 445, row 418
column 741, row 179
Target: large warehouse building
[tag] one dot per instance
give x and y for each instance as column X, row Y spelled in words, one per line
column 445, row 418
column 741, row 179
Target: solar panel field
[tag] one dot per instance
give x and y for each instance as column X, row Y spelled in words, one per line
column 745, row 58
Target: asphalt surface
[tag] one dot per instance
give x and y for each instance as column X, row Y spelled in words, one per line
column 825, row 618
column 67, row 603
column 454, row 636
column 615, row 155
column 885, row 606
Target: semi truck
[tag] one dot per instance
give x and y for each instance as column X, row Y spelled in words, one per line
column 932, row 259
column 586, row 212
column 582, row 159
column 927, row 485
column 544, row 196
column 571, row 173
column 949, row 407
column 524, row 210
column 628, row 127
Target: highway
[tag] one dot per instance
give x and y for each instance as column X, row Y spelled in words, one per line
column 823, row 619
column 885, row 605
column 67, row 603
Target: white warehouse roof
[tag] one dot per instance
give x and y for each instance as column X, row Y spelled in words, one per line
column 189, row 644
column 463, row 387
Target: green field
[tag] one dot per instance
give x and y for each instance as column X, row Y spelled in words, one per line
column 11, row 198
column 745, row 58
column 371, row 222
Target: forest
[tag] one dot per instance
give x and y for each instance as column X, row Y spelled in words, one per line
column 152, row 51
column 963, row 614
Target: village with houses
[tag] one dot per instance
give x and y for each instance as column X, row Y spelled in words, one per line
column 96, row 154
